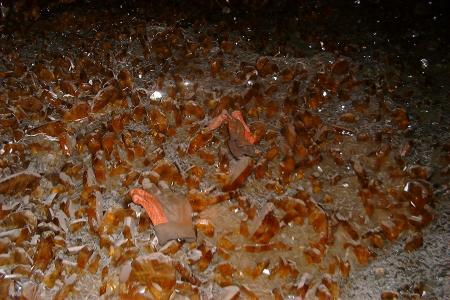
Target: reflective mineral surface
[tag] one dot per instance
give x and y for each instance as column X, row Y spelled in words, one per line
column 343, row 194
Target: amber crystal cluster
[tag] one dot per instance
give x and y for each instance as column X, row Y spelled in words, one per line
column 92, row 111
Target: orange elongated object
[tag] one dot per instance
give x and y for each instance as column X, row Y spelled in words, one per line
column 150, row 204
column 247, row 133
column 224, row 117
column 170, row 213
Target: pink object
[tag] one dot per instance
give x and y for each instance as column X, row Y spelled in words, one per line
column 170, row 213
column 224, row 117
column 150, row 204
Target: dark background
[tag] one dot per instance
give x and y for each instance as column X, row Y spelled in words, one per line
column 408, row 30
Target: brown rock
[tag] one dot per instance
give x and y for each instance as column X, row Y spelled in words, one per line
column 265, row 225
column 237, row 143
column 19, row 182
column 240, row 170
